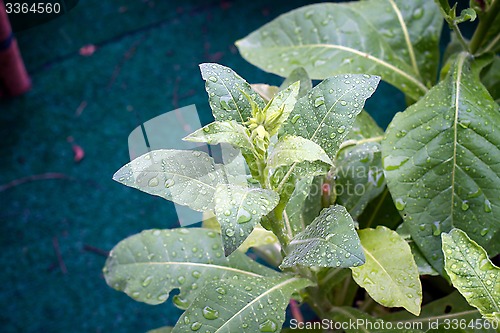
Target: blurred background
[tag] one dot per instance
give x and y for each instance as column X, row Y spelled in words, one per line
column 97, row 73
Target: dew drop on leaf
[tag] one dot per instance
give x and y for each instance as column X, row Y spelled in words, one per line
column 195, row 326
column 153, row 182
column 169, row 183
column 319, row 101
column 268, row 326
column 210, row 313
column 400, row 204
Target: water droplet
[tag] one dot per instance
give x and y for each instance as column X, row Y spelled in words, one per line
column 268, row 326
column 436, row 228
column 195, row 326
column 153, row 182
column 181, row 279
column 210, row 313
column 180, row 302
column 213, row 78
column 147, row 281
column 343, row 103
column 367, row 280
column 394, row 162
column 230, row 232
column 295, row 118
column 196, row 274
column 227, row 212
column 422, row 227
column 341, row 129
column 221, row 290
column 487, row 206
column 244, row 216
column 484, row 231
column 169, row 183
column 418, row 13
column 465, row 205
column 400, row 204
column 319, row 101
column 224, row 103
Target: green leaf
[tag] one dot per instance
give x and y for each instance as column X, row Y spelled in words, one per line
column 364, row 322
column 245, row 304
column 395, row 39
column 280, row 107
column 188, row 178
column 452, row 307
column 380, row 211
column 472, row 272
column 226, row 91
column 424, row 268
column 491, row 78
column 442, row 163
column 294, row 212
column 358, row 167
column 325, row 115
column 227, row 131
column 298, row 74
column 147, row 266
column 295, row 149
column 329, row 241
column 389, row 275
column 239, row 209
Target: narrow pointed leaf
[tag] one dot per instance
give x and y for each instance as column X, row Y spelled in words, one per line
column 389, row 274
column 239, row 209
column 472, row 272
column 329, row 241
column 395, row 39
column 295, row 149
column 227, row 131
column 246, row 305
column 225, row 90
column 442, row 163
column 147, row 266
column 188, row 178
column 325, row 115
column 298, row 74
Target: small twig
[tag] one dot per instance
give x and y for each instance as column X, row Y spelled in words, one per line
column 93, row 249
column 295, row 310
column 27, row 179
column 62, row 265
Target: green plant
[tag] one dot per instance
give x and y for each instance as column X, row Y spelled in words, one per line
column 430, row 199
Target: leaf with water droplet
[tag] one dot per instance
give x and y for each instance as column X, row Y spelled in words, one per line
column 180, row 176
column 228, row 88
column 331, row 233
column 267, row 92
column 396, row 44
column 424, row 268
column 174, row 264
column 238, row 219
column 317, row 123
column 223, row 131
column 298, row 74
column 389, row 264
column 260, row 308
column 471, row 272
column 446, row 174
column 279, row 108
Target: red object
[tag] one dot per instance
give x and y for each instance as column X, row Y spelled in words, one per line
column 14, row 79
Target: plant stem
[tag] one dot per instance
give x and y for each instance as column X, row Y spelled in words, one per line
column 484, row 26
column 460, row 37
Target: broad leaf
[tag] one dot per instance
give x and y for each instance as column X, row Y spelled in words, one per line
column 188, row 178
column 325, row 115
column 147, row 266
column 491, row 78
column 165, row 329
column 329, row 241
column 293, row 213
column 295, row 149
column 442, row 163
column 395, row 39
column 298, row 74
column 358, row 168
column 364, row 322
column 389, row 274
column 244, row 304
column 238, row 209
column 226, row 91
column 380, row 211
column 472, row 272
column 452, row 307
column 228, row 131
column 424, row 268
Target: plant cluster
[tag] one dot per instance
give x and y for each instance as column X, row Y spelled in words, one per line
column 355, row 218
